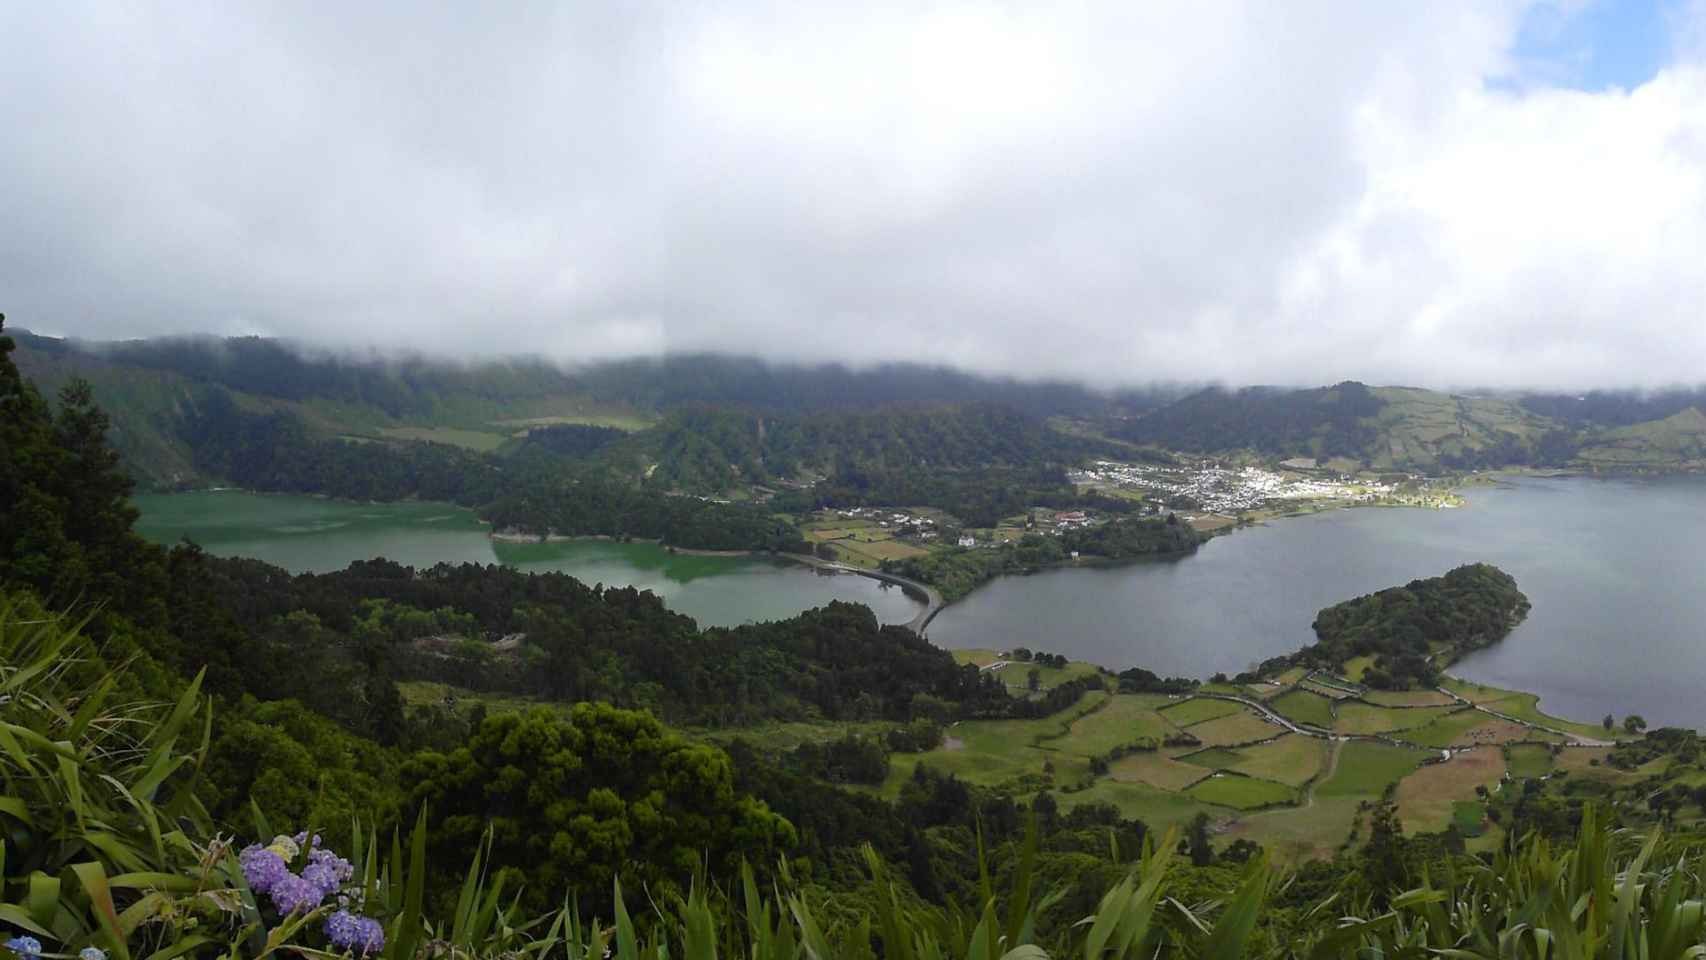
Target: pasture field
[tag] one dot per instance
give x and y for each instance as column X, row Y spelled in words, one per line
column 1187, row 712
column 1123, row 719
column 1526, row 707
column 1236, row 728
column 630, row 422
column 1292, row 759
column 1301, row 833
column 1474, row 692
column 1015, row 674
column 1328, row 690
column 1157, row 770
column 1470, row 817
column 880, row 550
column 1407, row 698
column 1214, row 758
column 1302, row 706
column 1528, row 760
column 1357, row 717
column 1355, row 667
column 1001, row 752
column 1426, row 797
column 1366, row 767
column 1154, row 806
column 476, row 440
column 1291, row 676
column 1447, row 730
column 1242, row 793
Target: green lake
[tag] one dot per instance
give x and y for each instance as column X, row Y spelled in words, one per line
column 315, row 535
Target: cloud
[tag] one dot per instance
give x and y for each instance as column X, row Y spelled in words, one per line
column 1118, row 192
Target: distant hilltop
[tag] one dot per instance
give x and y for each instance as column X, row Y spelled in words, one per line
column 152, row 389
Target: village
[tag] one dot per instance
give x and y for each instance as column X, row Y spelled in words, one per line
column 1212, row 488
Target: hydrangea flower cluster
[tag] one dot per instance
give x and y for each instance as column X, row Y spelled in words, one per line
column 267, row 870
column 352, row 932
column 27, row 948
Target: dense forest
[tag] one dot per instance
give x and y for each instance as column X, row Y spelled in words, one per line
column 1324, row 422
column 957, row 571
column 1415, row 631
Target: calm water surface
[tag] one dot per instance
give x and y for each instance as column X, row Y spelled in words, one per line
column 1616, row 571
column 308, row 534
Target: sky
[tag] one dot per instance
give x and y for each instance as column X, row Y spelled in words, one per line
column 1456, row 193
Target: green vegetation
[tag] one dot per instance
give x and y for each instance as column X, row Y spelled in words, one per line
column 1304, row 706
column 957, row 571
column 1367, row 768
column 1356, row 717
column 1197, row 710
column 1415, row 630
column 191, row 710
column 1528, row 760
column 1242, row 793
column 1449, row 729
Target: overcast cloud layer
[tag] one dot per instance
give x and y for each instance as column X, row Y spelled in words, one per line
column 1291, row 192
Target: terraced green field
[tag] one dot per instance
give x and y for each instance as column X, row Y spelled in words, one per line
column 1448, row 729
column 1526, row 760
column 1366, row 767
column 1292, row 759
column 1242, row 793
column 1234, row 729
column 1356, row 717
column 1187, row 712
column 1302, row 706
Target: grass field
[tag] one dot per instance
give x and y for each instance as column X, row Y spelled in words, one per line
column 1186, row 712
column 478, row 440
column 1527, row 760
column 1470, row 816
column 1446, row 730
column 1301, row 706
column 1123, row 719
column 1154, row 806
column 1157, row 770
column 880, row 550
column 1242, row 793
column 1356, row 666
column 1292, row 759
column 1366, row 767
column 1425, row 798
column 1526, row 707
column 1327, row 690
column 1233, row 729
column 1475, row 692
column 1356, row 717
column 1214, row 758
column 1000, row 752
column 630, row 422
column 1407, row 698
column 1300, row 833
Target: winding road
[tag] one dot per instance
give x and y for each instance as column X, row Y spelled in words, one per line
column 933, row 600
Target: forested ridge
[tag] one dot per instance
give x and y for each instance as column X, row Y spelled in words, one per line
column 1415, row 631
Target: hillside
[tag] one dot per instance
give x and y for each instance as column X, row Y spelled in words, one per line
column 715, row 425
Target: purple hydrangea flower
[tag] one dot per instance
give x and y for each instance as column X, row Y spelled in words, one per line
column 262, row 868
column 92, row 953
column 350, row 932
column 292, row 894
column 27, row 948
column 333, row 868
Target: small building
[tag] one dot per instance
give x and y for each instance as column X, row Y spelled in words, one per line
column 968, row 541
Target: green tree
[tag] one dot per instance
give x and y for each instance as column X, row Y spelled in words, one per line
column 1634, row 723
column 574, row 802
